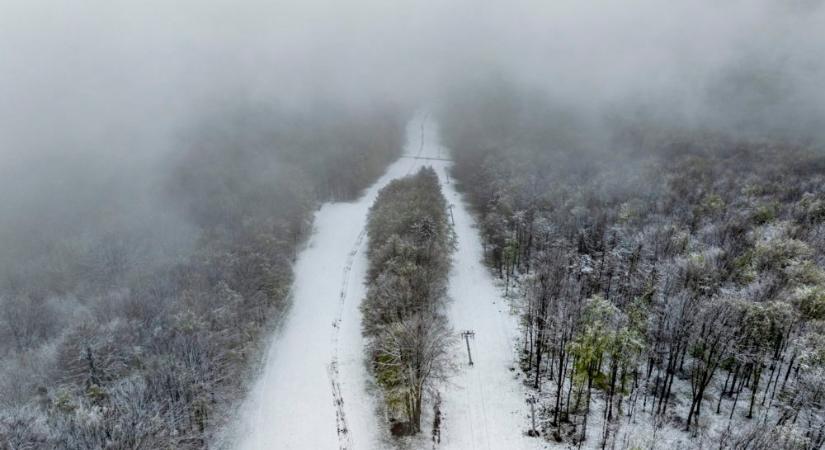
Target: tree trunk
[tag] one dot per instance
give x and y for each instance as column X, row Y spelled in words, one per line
column 722, row 393
column 756, row 376
column 560, row 385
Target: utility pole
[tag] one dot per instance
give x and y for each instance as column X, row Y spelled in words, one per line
column 532, row 400
column 467, row 335
column 452, row 218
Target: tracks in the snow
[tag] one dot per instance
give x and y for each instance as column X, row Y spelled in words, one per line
column 344, row 438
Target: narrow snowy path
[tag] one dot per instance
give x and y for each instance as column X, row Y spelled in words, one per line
column 312, row 393
column 484, row 404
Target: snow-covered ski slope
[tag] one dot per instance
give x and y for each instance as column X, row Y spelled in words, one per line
column 312, row 393
column 484, row 405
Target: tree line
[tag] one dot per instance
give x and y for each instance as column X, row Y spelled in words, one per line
column 410, row 244
column 115, row 335
column 663, row 275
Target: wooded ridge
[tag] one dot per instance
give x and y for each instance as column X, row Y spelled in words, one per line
column 410, row 243
column 665, row 278
column 106, row 345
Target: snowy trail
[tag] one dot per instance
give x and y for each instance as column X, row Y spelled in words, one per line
column 312, row 392
column 484, row 405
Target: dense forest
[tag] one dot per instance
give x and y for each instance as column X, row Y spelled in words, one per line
column 141, row 333
column 669, row 280
column 410, row 244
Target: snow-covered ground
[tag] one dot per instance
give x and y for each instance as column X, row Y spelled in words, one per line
column 484, row 405
column 313, row 392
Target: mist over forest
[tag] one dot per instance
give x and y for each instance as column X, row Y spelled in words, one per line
column 164, row 165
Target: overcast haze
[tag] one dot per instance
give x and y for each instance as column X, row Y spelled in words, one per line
column 122, row 75
column 163, row 163
column 94, row 91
